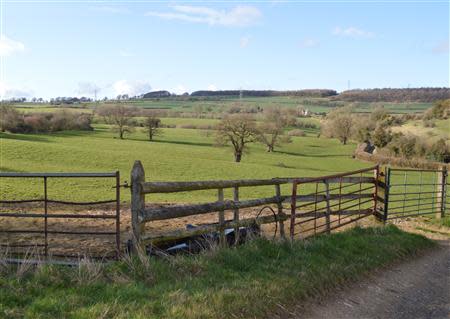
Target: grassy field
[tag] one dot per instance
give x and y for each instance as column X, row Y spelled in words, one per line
column 416, row 127
column 255, row 280
column 180, row 154
column 318, row 105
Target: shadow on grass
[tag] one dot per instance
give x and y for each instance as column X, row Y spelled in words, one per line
column 170, row 142
column 312, row 155
column 24, row 137
column 10, row 170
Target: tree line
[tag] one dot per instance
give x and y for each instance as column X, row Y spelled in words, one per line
column 376, row 130
column 395, row 95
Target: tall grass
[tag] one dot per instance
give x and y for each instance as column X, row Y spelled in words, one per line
column 253, row 280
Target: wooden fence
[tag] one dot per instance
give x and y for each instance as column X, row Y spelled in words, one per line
column 141, row 215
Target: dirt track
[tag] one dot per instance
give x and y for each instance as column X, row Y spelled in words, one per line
column 418, row 288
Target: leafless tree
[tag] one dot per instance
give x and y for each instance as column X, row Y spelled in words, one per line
column 271, row 131
column 152, row 126
column 119, row 115
column 339, row 124
column 9, row 117
column 237, row 130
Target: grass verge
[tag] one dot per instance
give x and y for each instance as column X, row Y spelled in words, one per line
column 253, row 280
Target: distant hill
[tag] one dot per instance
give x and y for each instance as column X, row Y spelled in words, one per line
column 266, row 93
column 395, row 95
column 156, row 94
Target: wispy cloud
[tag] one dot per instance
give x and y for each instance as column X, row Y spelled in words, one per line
column 212, row 87
column 239, row 16
column 111, row 9
column 441, row 48
column 179, row 89
column 352, row 32
column 244, row 41
column 131, row 88
column 9, row 47
column 309, row 43
column 7, row 91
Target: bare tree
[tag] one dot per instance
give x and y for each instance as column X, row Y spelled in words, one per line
column 339, row 124
column 271, row 131
column 9, row 117
column 237, row 130
column 121, row 116
column 152, row 126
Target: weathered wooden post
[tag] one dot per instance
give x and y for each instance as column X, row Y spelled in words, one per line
column 441, row 192
column 328, row 212
column 387, row 183
column 222, row 238
column 280, row 214
column 137, row 200
column 236, row 214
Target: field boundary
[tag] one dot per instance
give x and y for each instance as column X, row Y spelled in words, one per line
column 46, row 216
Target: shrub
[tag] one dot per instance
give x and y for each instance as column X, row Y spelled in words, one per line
column 16, row 122
column 429, row 123
column 296, row 132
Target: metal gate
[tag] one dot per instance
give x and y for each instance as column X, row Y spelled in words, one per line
column 414, row 192
column 319, row 205
column 32, row 223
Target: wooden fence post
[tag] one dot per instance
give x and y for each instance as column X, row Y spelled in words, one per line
column 236, row 215
column 387, row 183
column 441, row 192
column 221, row 218
column 376, row 176
column 328, row 213
column 280, row 211
column 137, row 200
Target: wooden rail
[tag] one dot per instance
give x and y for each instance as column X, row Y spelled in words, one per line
column 142, row 215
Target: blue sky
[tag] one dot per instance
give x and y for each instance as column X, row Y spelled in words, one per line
column 72, row 49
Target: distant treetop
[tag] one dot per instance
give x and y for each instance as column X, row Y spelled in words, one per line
column 395, row 95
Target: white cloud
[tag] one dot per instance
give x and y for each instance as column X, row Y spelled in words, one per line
column 239, row 16
column 131, row 88
column 111, row 9
column 244, row 41
column 126, row 53
column 9, row 47
column 212, row 87
column 442, row 47
column 179, row 89
column 352, row 32
column 7, row 91
column 87, row 88
column 309, row 43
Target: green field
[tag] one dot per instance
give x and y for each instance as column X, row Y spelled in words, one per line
column 178, row 155
column 221, row 104
column 417, row 127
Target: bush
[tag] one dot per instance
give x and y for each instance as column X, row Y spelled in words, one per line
column 16, row 122
column 187, row 126
column 429, row 123
column 296, row 132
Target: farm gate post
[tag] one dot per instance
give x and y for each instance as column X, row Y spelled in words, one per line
column 137, row 200
column 441, row 192
column 382, row 184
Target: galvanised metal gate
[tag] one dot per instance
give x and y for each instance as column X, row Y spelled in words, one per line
column 322, row 204
column 414, row 192
column 32, row 223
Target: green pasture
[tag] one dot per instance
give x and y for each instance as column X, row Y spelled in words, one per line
column 417, row 127
column 221, row 104
column 178, row 155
